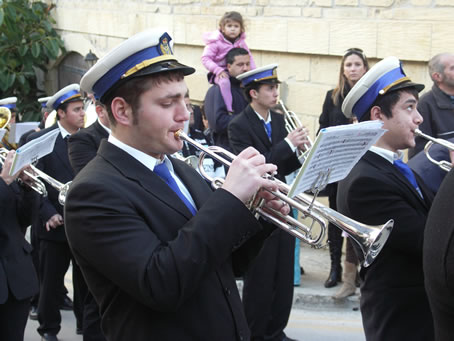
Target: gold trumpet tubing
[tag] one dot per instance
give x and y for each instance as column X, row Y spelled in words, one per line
column 285, row 222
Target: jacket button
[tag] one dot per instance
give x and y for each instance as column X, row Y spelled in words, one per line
column 227, row 291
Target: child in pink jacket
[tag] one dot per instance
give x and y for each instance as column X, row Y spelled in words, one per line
column 218, row 44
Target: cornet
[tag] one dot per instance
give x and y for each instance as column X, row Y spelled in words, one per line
column 36, row 184
column 445, row 165
column 292, row 122
column 371, row 239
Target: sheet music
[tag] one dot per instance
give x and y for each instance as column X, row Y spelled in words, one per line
column 34, row 150
column 336, row 149
column 18, row 129
column 2, row 133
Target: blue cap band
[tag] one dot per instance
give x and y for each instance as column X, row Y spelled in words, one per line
column 148, row 54
column 9, row 106
column 369, row 97
column 65, row 97
column 259, row 76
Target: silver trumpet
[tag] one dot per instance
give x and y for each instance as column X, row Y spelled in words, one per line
column 445, row 165
column 36, row 184
column 292, row 122
column 371, row 239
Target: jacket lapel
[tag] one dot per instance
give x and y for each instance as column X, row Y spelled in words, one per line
column 136, row 171
column 257, row 126
column 61, row 150
column 386, row 167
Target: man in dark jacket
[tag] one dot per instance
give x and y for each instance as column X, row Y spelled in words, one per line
column 268, row 283
column 54, row 256
column 380, row 187
column 437, row 105
column 157, row 247
column 18, row 280
column 214, row 106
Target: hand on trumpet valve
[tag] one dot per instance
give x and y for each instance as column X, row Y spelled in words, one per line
column 274, row 202
column 247, row 174
column 54, row 221
column 25, row 177
column 299, row 138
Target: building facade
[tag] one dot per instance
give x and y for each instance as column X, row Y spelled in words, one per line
column 306, row 37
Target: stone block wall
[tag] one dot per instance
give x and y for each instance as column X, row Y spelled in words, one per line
column 306, row 37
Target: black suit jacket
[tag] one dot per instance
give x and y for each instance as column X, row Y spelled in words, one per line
column 394, row 303
column 247, row 129
column 16, row 267
column 438, row 255
column 56, row 165
column 157, row 272
column 83, row 145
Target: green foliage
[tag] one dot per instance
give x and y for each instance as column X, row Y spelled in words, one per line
column 28, row 41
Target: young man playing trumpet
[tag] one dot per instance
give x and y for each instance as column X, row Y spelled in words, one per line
column 380, row 187
column 268, row 283
column 157, row 247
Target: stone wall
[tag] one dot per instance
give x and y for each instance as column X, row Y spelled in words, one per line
column 306, row 37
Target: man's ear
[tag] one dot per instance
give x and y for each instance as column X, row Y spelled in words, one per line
column 437, row 77
column 253, row 93
column 60, row 113
column 376, row 113
column 121, row 111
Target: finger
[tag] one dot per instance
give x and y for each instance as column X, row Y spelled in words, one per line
column 266, row 168
column 47, row 227
column 248, row 153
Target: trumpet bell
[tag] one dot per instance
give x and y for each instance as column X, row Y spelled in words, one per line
column 5, row 116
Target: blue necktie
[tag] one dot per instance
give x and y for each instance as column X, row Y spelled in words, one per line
column 164, row 173
column 407, row 172
column 267, row 128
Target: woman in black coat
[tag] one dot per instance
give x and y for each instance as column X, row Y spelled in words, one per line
column 18, row 280
column 353, row 66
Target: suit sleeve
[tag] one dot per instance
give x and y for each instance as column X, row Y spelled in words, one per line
column 324, row 117
column 80, row 150
column 162, row 274
column 374, row 201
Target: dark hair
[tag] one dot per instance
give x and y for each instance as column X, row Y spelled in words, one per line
column 342, row 88
column 131, row 91
column 387, row 102
column 231, row 16
column 249, row 87
column 236, row 51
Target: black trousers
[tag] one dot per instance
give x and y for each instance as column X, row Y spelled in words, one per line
column 268, row 288
column 13, row 318
column 92, row 320
column 54, row 258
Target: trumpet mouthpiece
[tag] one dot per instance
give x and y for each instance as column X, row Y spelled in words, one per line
column 178, row 133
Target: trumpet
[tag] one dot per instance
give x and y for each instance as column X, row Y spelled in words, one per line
column 370, row 239
column 36, row 184
column 5, row 118
column 445, row 165
column 292, row 122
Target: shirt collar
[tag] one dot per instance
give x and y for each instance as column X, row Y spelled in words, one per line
column 63, row 131
column 387, row 154
column 148, row 161
column 261, row 118
column 102, row 125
